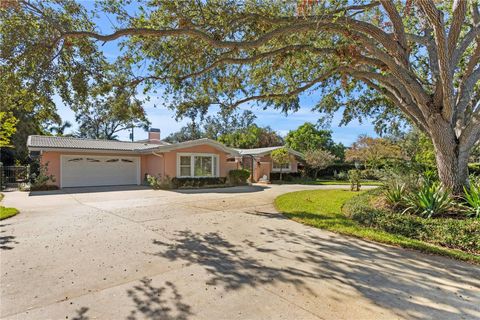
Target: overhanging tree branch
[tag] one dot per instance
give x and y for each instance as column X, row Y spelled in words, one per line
column 258, row 57
column 288, row 94
column 397, row 24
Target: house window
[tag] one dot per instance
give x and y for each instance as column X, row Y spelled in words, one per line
column 185, row 166
column 203, row 166
column 197, row 165
column 284, row 167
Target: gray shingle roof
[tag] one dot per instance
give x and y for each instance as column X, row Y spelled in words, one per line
column 86, row 144
column 70, row 143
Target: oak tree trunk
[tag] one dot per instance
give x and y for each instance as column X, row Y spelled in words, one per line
column 451, row 158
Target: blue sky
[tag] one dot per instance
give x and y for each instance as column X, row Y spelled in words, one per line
column 163, row 118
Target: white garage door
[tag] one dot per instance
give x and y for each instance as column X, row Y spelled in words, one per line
column 83, row 171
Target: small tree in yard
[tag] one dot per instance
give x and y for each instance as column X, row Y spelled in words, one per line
column 281, row 157
column 373, row 151
column 318, row 160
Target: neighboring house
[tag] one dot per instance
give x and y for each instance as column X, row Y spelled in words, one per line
column 78, row 162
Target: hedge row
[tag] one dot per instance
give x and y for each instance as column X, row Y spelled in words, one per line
column 337, row 167
column 286, row 176
column 452, row 233
column 197, row 182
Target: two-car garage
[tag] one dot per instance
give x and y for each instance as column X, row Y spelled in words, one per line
column 90, row 170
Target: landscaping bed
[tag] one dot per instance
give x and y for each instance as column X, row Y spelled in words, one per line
column 323, row 209
column 462, row 234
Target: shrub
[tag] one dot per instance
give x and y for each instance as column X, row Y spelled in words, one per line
column 394, row 193
column 158, row 182
column 289, row 176
column 472, row 198
column 430, row 200
column 43, row 187
column 474, row 179
column 447, row 232
column 238, row 176
column 474, row 168
column 198, row 182
column 370, row 174
column 341, row 176
column 41, row 180
column 355, row 177
column 337, row 167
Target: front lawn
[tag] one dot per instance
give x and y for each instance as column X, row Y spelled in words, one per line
column 7, row 212
column 323, row 209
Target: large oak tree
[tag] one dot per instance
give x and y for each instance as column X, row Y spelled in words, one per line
column 388, row 59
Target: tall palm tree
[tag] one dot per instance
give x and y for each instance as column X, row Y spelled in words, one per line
column 59, row 130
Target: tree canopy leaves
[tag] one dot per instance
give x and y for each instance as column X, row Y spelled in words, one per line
column 308, row 137
column 252, row 136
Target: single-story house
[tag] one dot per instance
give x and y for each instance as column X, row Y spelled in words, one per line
column 76, row 162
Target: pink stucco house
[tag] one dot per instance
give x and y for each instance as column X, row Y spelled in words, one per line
column 78, row 162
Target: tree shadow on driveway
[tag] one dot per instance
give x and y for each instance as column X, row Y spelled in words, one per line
column 227, row 264
column 409, row 283
column 6, row 241
column 81, row 314
column 152, row 302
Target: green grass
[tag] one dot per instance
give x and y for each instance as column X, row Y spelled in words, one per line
column 323, row 182
column 323, row 209
column 7, row 212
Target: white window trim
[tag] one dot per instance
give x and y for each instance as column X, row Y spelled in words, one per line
column 215, row 170
column 283, row 169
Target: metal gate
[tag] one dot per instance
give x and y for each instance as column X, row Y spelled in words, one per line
column 11, row 177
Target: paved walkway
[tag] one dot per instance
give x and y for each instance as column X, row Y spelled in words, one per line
column 218, row 254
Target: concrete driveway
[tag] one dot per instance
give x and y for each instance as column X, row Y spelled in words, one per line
column 217, row 254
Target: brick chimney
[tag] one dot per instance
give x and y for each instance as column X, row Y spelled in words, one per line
column 154, row 135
